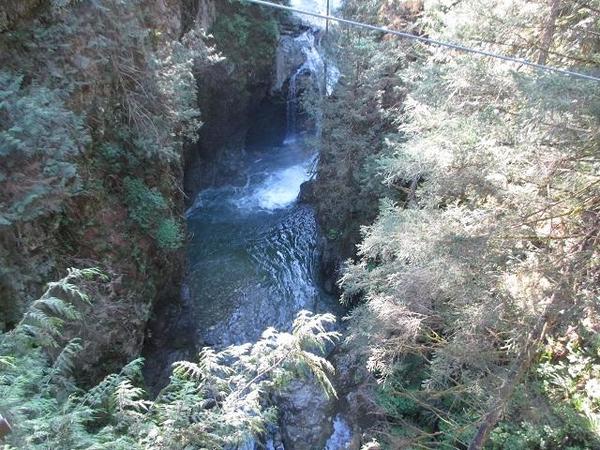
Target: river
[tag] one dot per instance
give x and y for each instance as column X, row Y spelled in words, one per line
column 253, row 259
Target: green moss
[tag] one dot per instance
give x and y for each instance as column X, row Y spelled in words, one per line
column 149, row 209
column 168, row 234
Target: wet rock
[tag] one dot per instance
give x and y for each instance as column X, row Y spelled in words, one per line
column 274, row 442
column 331, row 262
column 343, row 437
column 307, row 192
column 305, row 415
column 356, row 411
column 291, row 54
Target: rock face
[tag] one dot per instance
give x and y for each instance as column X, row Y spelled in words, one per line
column 170, row 338
column 202, row 13
column 305, row 416
column 207, row 14
column 291, row 54
column 93, row 225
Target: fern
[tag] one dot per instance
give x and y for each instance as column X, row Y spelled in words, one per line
column 187, row 369
column 102, row 392
column 219, row 402
column 57, row 307
column 45, row 317
column 128, row 398
column 64, row 364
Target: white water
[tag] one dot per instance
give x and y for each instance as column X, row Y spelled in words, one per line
column 279, row 190
column 316, row 6
column 314, row 63
column 314, row 67
column 341, row 437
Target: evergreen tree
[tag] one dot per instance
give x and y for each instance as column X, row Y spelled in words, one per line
column 483, row 256
column 220, row 402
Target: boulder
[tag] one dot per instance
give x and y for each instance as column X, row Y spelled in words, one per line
column 305, row 415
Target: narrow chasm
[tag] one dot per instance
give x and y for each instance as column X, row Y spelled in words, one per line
column 253, row 252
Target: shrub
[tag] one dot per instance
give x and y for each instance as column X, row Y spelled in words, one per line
column 149, row 209
column 39, row 137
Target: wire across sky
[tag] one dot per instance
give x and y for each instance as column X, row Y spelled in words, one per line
column 429, row 41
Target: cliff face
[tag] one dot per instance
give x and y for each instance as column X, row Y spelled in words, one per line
column 232, row 91
column 97, row 99
column 99, row 116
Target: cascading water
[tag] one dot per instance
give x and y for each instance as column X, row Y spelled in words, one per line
column 253, row 260
column 254, row 257
column 313, row 68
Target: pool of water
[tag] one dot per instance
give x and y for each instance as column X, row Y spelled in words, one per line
column 253, row 259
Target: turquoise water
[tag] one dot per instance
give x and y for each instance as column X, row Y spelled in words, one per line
column 253, row 259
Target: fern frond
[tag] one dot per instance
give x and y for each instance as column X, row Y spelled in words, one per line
column 99, row 393
column 210, row 362
column 188, row 370
column 36, row 318
column 103, row 390
column 133, row 369
column 74, row 290
column 44, row 319
column 58, row 308
column 37, row 334
column 128, row 397
column 64, row 363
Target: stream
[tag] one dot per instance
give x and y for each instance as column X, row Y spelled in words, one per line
column 253, row 258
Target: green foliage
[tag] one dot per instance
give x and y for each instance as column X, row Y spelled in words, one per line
column 236, row 383
column 34, row 387
column 247, row 35
column 90, row 92
column 169, row 235
column 244, row 31
column 484, row 242
column 220, row 401
column 353, row 125
column 568, row 378
column 38, row 139
column 531, row 436
column 148, row 208
column 45, row 317
column 146, row 205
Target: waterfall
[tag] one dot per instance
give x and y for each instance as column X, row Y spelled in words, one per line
column 255, row 254
column 317, row 6
column 312, row 68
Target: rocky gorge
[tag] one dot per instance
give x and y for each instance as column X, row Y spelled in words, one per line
column 255, row 254
column 250, row 253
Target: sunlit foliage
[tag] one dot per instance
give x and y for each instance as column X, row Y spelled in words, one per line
column 222, row 400
column 485, row 248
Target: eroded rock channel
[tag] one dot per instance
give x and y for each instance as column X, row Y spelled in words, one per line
column 253, row 257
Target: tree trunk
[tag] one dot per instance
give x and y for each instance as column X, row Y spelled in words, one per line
column 521, row 366
column 549, row 29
